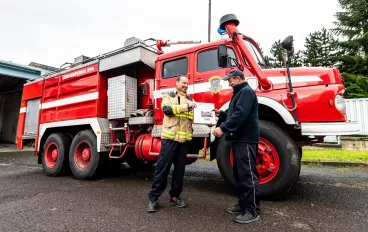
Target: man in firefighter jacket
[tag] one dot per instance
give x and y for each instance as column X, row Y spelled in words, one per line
column 176, row 133
column 240, row 126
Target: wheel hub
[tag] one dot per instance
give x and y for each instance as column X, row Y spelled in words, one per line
column 51, row 155
column 86, row 154
column 83, row 155
column 267, row 161
column 54, row 154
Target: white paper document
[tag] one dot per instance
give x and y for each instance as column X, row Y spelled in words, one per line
column 204, row 114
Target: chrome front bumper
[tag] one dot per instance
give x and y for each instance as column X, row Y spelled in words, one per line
column 331, row 128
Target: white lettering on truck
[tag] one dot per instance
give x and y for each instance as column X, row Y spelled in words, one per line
column 78, row 73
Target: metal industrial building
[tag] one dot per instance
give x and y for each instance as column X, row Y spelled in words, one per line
column 12, row 78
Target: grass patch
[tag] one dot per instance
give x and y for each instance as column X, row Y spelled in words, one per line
column 335, row 155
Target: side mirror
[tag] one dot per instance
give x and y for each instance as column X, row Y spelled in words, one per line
column 288, row 43
column 222, row 56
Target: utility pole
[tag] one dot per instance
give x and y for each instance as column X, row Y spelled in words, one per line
column 209, row 20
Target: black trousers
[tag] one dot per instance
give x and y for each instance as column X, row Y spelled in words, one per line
column 172, row 152
column 246, row 176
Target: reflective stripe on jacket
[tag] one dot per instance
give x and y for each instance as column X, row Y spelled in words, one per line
column 178, row 119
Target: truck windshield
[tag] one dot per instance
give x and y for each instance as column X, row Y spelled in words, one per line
column 256, row 55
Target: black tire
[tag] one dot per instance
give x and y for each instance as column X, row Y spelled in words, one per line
column 86, row 169
column 300, row 150
column 289, row 157
column 70, row 136
column 61, row 143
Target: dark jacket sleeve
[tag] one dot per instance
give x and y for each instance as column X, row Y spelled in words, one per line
column 168, row 111
column 222, row 116
column 243, row 107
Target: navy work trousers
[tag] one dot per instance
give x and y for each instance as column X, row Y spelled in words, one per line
column 246, row 176
column 172, row 152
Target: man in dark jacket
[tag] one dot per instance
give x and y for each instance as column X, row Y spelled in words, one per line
column 240, row 127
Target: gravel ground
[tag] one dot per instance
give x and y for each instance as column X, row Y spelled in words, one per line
column 324, row 199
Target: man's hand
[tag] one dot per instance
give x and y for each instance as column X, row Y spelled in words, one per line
column 217, row 112
column 192, row 105
column 217, row 132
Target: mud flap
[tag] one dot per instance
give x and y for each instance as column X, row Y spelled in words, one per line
column 39, row 160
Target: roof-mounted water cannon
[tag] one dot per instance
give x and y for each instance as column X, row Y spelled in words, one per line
column 229, row 23
column 168, row 43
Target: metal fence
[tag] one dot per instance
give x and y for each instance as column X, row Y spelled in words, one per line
column 356, row 110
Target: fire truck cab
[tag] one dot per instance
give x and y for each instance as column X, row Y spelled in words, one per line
column 106, row 110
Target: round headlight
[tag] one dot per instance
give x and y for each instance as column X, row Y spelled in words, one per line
column 340, row 103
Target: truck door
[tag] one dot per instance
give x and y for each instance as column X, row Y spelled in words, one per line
column 169, row 71
column 207, row 77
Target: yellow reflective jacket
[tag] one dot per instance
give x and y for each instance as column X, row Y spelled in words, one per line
column 178, row 118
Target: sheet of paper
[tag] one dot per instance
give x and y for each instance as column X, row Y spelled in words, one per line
column 204, row 114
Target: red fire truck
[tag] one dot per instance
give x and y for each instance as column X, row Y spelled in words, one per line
column 106, row 110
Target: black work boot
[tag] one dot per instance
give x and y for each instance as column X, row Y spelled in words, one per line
column 152, row 206
column 236, row 209
column 176, row 201
column 246, row 217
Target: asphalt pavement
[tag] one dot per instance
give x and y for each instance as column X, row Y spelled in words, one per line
column 324, row 199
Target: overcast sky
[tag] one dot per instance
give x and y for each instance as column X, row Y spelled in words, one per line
column 53, row 32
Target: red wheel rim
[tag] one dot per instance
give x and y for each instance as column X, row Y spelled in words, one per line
column 51, row 155
column 267, row 161
column 82, row 155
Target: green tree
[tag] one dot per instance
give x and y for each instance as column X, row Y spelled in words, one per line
column 277, row 58
column 268, row 61
column 356, row 86
column 352, row 58
column 277, row 54
column 352, row 25
column 311, row 50
column 296, row 59
column 320, row 49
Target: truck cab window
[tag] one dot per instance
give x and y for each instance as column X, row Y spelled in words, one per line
column 174, row 68
column 207, row 60
column 256, row 55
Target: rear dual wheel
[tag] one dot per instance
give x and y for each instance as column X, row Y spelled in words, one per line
column 55, row 154
column 84, row 160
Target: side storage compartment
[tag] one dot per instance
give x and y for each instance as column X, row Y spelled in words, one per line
column 122, row 97
column 32, row 117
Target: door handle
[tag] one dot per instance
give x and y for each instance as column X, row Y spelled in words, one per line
column 163, row 86
column 199, row 80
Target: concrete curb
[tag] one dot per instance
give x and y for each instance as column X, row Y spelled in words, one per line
column 13, row 151
column 336, row 163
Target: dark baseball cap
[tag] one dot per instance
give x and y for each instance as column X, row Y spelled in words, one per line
column 235, row 72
